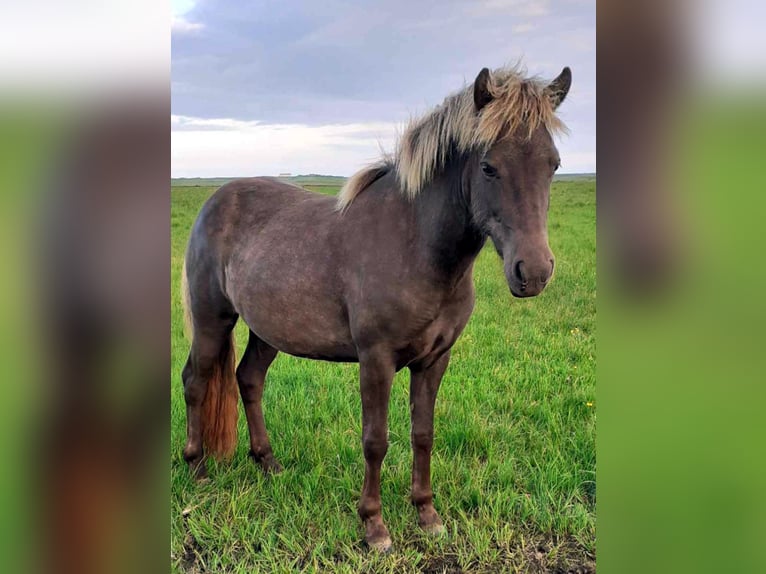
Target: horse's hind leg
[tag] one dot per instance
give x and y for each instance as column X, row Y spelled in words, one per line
column 211, row 346
column 251, row 375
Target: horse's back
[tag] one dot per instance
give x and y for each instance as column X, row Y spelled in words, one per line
column 247, row 202
column 231, row 219
column 239, row 209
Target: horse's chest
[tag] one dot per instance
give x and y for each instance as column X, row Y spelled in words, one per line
column 436, row 336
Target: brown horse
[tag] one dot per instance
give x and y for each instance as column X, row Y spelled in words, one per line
column 381, row 276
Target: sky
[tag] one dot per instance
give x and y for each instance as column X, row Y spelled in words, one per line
column 275, row 86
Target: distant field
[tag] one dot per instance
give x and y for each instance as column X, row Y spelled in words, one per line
column 328, row 183
column 514, row 451
column 333, row 181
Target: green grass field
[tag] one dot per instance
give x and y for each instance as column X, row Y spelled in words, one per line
column 514, row 451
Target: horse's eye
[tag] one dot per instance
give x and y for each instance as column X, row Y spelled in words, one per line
column 488, row 169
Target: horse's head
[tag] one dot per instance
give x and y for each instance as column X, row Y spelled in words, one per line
column 510, row 183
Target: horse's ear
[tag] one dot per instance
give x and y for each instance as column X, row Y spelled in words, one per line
column 481, row 93
column 559, row 88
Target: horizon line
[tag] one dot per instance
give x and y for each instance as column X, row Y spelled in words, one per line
column 320, row 175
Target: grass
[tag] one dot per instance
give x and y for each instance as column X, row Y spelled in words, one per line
column 514, row 450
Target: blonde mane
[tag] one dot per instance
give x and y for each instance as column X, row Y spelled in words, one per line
column 426, row 143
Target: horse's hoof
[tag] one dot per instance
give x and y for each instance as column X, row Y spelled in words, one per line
column 429, row 520
column 376, row 535
column 382, row 545
column 271, row 467
column 267, row 462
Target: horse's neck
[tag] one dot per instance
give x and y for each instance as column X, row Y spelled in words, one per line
column 448, row 238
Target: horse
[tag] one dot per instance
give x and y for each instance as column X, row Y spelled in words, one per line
column 380, row 275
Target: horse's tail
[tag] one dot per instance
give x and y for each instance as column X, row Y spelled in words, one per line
column 219, row 409
column 186, row 303
column 220, row 406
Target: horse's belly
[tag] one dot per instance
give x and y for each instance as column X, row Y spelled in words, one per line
column 299, row 323
column 284, row 285
column 306, row 341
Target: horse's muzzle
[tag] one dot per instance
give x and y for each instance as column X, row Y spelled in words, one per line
column 528, row 277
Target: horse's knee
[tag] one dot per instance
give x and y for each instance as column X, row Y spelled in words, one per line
column 243, row 381
column 194, row 391
column 375, row 447
column 250, row 385
column 195, row 377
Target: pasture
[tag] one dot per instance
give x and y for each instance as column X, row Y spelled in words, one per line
column 514, row 449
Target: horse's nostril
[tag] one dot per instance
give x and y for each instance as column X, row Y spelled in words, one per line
column 518, row 272
column 545, row 280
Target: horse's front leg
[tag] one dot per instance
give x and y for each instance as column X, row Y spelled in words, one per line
column 424, row 385
column 376, row 373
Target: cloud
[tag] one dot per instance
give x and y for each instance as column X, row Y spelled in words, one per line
column 186, row 123
column 580, row 40
column 227, row 147
column 523, row 28
column 302, row 62
column 180, row 25
column 298, row 62
column 518, row 7
column 180, row 7
column 578, row 162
